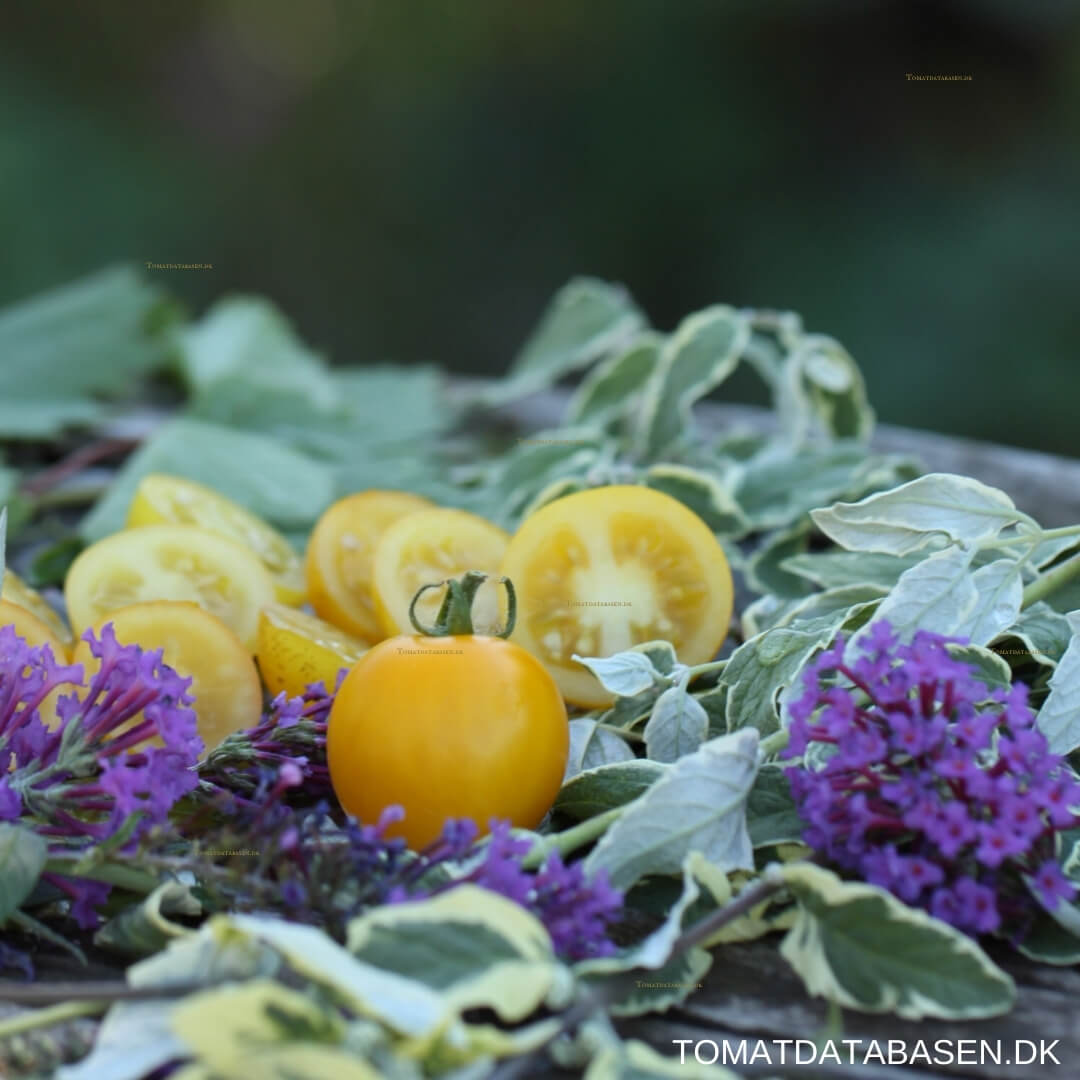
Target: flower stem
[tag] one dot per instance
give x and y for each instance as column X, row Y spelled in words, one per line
column 571, row 839
column 1051, row 581
column 776, row 742
column 125, row 877
column 54, row 1014
column 623, row 733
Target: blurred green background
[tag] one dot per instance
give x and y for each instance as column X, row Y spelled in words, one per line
column 412, row 179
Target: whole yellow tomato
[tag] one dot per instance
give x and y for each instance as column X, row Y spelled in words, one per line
column 449, row 725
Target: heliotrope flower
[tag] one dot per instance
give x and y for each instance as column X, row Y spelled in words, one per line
column 80, row 779
column 925, row 781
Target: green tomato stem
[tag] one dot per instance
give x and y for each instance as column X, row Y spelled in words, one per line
column 54, row 1014
column 1051, row 581
column 571, row 839
column 455, row 615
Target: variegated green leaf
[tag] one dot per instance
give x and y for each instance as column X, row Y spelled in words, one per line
column 859, row 946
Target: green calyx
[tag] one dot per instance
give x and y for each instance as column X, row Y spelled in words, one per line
column 455, row 615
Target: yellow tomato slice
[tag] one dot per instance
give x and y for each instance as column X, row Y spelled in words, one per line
column 340, row 554
column 161, row 499
column 170, row 562
column 18, row 592
column 225, row 682
column 295, row 649
column 427, row 548
column 36, row 632
column 604, row 569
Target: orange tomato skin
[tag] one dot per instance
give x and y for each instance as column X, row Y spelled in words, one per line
column 468, row 726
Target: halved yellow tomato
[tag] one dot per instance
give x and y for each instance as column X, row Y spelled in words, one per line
column 604, row 569
column 170, row 562
column 225, row 682
column 162, row 499
column 426, row 548
column 18, row 592
column 35, row 631
column 340, row 553
column 294, row 649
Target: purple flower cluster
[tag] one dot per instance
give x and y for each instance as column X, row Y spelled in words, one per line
column 932, row 786
column 577, row 912
column 292, row 730
column 80, row 779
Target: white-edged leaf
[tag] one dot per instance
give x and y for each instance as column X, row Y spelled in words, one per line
column 135, row 1039
column 821, row 384
column 904, row 519
column 666, row 979
column 1043, row 631
column 999, row 592
column 701, row 354
column 859, row 946
column 937, row 594
column 758, row 669
column 1059, row 717
column 834, row 569
column 677, row 726
column 635, row 1060
column 771, row 815
column 703, row 493
column 698, row 804
column 611, row 388
column 624, row 674
column 473, row 946
column 600, row 789
column 585, row 319
column 592, row 746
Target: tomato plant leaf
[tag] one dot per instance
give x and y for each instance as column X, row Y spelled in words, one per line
column 859, row 946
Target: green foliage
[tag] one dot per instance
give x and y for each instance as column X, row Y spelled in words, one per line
column 673, row 789
column 861, row 947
